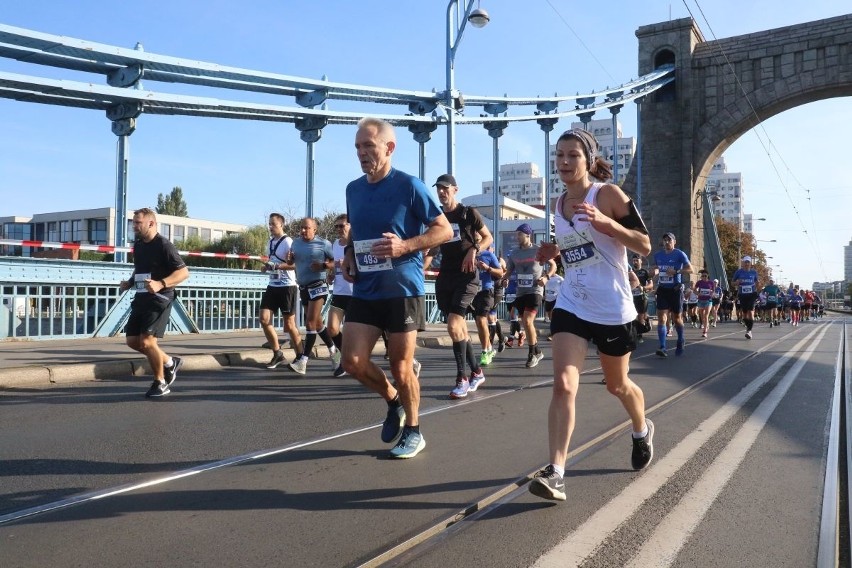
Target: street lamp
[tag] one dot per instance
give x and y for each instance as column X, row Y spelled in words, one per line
column 456, row 21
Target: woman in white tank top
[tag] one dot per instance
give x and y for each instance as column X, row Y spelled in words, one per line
column 595, row 225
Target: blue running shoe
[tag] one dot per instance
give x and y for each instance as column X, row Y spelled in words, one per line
column 393, row 424
column 409, row 445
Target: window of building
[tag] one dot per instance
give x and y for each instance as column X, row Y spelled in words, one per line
column 217, row 235
column 77, row 230
column 180, row 233
column 193, row 232
column 97, row 231
column 53, row 231
column 205, row 235
column 166, row 231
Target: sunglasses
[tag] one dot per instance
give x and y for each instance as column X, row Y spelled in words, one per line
column 339, row 226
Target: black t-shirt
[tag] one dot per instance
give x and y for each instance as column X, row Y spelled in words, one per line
column 643, row 276
column 159, row 258
column 466, row 222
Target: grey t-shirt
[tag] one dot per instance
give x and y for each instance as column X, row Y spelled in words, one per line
column 528, row 270
column 307, row 252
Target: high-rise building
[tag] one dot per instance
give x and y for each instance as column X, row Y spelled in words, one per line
column 728, row 186
column 521, row 182
column 847, row 263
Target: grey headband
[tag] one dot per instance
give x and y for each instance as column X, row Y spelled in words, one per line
column 587, row 139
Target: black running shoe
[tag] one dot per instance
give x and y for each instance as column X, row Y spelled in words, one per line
column 170, row 373
column 277, row 359
column 158, row 388
column 643, row 448
column 548, row 485
column 501, row 345
column 394, row 421
column 662, row 353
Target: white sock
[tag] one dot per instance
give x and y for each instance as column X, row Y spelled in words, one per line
column 642, row 434
column 560, row 471
column 169, row 362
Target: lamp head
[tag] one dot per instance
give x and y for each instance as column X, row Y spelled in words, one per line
column 479, row 18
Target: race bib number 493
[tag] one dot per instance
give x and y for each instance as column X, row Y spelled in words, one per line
column 367, row 261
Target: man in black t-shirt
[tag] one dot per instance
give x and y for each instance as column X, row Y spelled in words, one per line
column 157, row 269
column 640, row 296
column 458, row 280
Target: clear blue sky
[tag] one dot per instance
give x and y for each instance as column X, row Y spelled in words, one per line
column 54, row 158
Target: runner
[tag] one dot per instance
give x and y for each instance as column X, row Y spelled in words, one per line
column 532, row 277
column 640, row 297
column 458, row 281
column 773, row 292
column 704, row 289
column 745, row 279
column 715, row 302
column 670, row 264
column 342, row 290
column 490, row 272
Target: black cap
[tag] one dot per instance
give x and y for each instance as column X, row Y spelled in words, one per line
column 446, row 180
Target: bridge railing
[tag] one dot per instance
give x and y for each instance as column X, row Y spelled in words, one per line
column 63, row 299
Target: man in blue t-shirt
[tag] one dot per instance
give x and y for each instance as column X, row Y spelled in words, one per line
column 745, row 279
column 670, row 264
column 393, row 217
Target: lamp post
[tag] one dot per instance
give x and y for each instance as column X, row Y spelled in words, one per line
column 457, row 19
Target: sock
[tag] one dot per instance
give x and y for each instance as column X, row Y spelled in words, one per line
column 472, row 361
column 749, row 323
column 338, row 340
column 168, row 362
column 642, row 434
column 310, row 340
column 536, row 350
column 460, row 353
column 323, row 334
column 679, row 330
column 560, row 471
column 414, row 428
column 394, row 402
column 492, row 330
column 499, row 331
column 661, row 332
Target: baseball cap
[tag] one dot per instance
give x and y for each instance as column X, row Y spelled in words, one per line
column 445, row 180
column 746, row 259
column 525, row 229
column 669, row 235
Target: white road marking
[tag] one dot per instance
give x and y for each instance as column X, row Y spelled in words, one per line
column 583, row 542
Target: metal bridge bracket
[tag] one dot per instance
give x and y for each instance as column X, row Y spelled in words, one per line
column 126, row 76
column 124, row 127
column 422, row 131
column 495, row 129
column 313, row 98
column 124, row 110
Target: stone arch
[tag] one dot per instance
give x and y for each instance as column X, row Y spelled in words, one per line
column 723, row 89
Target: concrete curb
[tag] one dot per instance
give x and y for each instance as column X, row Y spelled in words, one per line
column 45, row 376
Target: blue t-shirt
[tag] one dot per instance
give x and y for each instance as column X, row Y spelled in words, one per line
column 307, row 252
column 748, row 280
column 492, row 261
column 663, row 260
column 400, row 204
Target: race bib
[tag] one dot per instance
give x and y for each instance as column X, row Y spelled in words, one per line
column 771, row 298
column 456, row 233
column 577, row 249
column 638, row 292
column 317, row 291
column 525, row 280
column 367, row 261
column 509, row 298
column 746, row 289
column 139, row 281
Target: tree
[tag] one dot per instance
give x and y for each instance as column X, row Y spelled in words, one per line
column 736, row 244
column 172, row 204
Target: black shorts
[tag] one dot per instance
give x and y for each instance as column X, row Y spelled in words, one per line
column 528, row 303
column 747, row 302
column 771, row 305
column 641, row 303
column 549, row 305
column 714, row 301
column 455, row 292
column 313, row 292
column 394, row 315
column 340, row 301
column 149, row 315
column 613, row 340
column 670, row 299
column 482, row 303
column 279, row 298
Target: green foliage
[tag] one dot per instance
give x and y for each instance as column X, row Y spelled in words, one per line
column 172, row 204
column 735, row 245
column 91, row 255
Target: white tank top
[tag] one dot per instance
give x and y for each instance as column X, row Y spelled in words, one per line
column 596, row 287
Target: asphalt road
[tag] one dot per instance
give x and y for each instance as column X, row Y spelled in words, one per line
column 249, row 467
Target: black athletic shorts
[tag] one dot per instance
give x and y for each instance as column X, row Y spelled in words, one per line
column 670, row 299
column 613, row 340
column 482, row 303
column 313, row 292
column 528, row 303
column 279, row 298
column 340, row 301
column 455, row 292
column 394, row 315
column 149, row 315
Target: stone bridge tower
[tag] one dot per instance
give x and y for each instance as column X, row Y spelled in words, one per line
column 723, row 89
